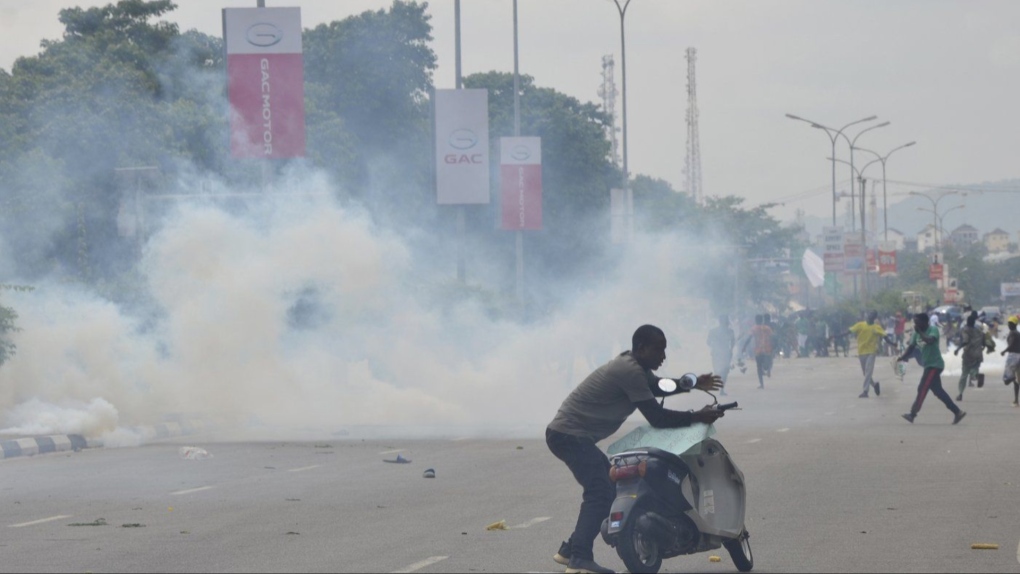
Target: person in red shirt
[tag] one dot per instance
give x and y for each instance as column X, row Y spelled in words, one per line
column 899, row 329
column 761, row 335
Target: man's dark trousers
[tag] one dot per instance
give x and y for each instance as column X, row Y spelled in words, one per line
column 931, row 380
column 591, row 470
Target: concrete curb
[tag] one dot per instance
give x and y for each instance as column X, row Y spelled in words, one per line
column 74, row 442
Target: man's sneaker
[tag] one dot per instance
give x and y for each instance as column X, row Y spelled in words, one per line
column 563, row 556
column 863, row 395
column 878, row 389
column 959, row 398
column 910, row 417
column 1016, row 404
column 959, row 417
column 586, row 566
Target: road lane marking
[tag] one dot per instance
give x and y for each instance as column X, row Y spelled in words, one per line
column 40, row 521
column 533, row 522
column 304, row 468
column 419, row 565
column 754, row 440
column 394, row 451
column 191, row 490
column 783, row 430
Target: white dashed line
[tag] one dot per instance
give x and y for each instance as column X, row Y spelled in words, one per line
column 754, row 440
column 191, row 490
column 533, row 522
column 419, row 565
column 782, row 430
column 395, row 451
column 304, row 468
column 40, row 521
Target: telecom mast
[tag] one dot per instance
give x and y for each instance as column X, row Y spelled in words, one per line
column 607, row 91
column 692, row 164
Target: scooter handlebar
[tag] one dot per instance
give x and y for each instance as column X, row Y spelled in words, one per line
column 727, row 406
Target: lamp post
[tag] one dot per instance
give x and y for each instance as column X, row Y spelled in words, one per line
column 622, row 9
column 833, row 136
column 935, row 211
column 939, row 221
column 864, row 239
column 885, row 206
column 853, row 144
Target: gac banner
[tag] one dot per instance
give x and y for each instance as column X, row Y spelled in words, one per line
column 520, row 169
column 265, row 82
column 462, row 146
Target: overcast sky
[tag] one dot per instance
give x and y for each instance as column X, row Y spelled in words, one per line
column 946, row 73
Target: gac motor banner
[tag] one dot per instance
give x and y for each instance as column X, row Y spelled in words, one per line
column 520, row 169
column 462, row 146
column 265, row 82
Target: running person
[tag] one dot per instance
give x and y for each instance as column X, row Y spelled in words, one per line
column 869, row 333
column 926, row 338
column 761, row 334
column 1012, row 352
column 973, row 344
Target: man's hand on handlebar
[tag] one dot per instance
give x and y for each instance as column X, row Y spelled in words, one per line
column 707, row 415
column 709, row 383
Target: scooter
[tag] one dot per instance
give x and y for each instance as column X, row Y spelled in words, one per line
column 677, row 492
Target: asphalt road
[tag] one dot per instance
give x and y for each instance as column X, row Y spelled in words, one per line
column 836, row 483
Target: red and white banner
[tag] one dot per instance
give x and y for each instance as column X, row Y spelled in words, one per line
column 265, row 82
column 887, row 263
column 520, row 169
column 462, row 146
column 832, row 240
column 935, row 271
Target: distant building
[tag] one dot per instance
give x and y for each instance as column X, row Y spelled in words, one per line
column 926, row 239
column 910, row 244
column 997, row 241
column 896, row 237
column 964, row 236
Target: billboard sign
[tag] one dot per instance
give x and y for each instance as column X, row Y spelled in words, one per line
column 853, row 254
column 887, row 263
column 462, row 146
column 935, row 271
column 520, row 168
column 265, row 82
column 832, row 253
column 1009, row 290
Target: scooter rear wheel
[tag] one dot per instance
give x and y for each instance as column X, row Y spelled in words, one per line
column 740, row 552
column 639, row 550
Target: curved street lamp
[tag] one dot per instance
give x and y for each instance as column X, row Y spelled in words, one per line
column 885, row 206
column 833, row 136
column 853, row 145
column 935, row 208
column 622, row 9
column 864, row 238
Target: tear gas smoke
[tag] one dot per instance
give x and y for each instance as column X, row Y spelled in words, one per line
column 299, row 318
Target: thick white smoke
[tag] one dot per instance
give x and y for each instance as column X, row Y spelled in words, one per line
column 299, row 317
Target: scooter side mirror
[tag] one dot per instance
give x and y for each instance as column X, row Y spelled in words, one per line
column 667, row 385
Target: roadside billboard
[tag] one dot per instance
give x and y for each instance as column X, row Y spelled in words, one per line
column 887, row 263
column 462, row 146
column 832, row 253
column 520, row 169
column 1009, row 290
column 265, row 82
column 853, row 254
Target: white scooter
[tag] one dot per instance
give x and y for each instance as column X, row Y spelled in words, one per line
column 677, row 492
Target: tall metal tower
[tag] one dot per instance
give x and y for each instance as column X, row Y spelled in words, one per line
column 692, row 164
column 607, row 91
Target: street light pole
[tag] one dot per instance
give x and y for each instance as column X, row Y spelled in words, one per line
column 864, row 238
column 885, row 205
column 833, row 136
column 622, row 9
column 934, row 211
column 853, row 144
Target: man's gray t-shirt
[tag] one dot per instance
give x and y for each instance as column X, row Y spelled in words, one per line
column 603, row 401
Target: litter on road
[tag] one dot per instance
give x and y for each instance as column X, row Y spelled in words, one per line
column 429, row 473
column 984, row 546
column 501, row 525
column 193, row 453
column 399, row 460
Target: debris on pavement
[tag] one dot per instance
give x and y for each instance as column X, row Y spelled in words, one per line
column 520, row 448
column 132, row 525
column 984, row 546
column 501, row 525
column 714, row 559
column 399, row 460
column 429, row 473
column 193, row 453
column 96, row 522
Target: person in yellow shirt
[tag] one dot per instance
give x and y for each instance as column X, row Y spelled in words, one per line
column 869, row 334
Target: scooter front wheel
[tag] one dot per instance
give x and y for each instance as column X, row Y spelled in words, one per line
column 638, row 549
column 740, row 552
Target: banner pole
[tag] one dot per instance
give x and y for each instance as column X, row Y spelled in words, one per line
column 517, row 133
column 458, row 84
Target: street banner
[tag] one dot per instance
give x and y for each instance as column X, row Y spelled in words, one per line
column 1009, row 290
column 520, row 169
column 621, row 215
column 832, row 254
column 462, row 146
column 935, row 272
column 265, row 82
column 887, row 263
column 853, row 254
